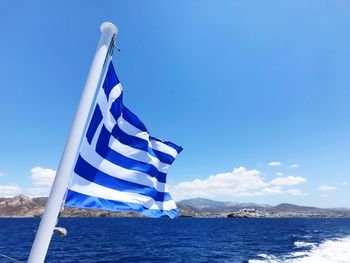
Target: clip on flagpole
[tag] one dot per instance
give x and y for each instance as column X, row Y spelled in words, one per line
column 60, row 184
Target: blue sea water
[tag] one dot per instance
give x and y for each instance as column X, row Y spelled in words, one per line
column 184, row 240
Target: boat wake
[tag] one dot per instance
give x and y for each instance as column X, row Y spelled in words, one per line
column 329, row 251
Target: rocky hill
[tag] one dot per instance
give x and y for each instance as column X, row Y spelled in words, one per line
column 24, row 206
column 234, row 209
column 211, row 206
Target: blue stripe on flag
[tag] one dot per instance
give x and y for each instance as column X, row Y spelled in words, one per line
column 135, row 142
column 132, row 119
column 110, row 81
column 109, row 154
column 95, row 121
column 118, row 109
column 92, row 174
column 84, row 201
column 140, row 144
column 164, row 157
column 177, row 148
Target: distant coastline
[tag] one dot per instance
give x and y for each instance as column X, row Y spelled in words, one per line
column 22, row 206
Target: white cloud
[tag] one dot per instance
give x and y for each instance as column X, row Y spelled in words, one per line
column 324, row 195
column 275, row 163
column 236, row 183
column 344, row 183
column 279, row 174
column 3, row 174
column 326, row 188
column 38, row 191
column 269, row 191
column 295, row 192
column 9, row 190
column 42, row 179
column 294, row 165
column 42, row 176
column 239, row 182
column 289, row 180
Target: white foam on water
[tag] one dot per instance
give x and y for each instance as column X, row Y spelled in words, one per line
column 307, row 236
column 329, row 251
column 300, row 244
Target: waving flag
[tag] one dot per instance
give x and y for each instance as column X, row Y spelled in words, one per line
column 120, row 167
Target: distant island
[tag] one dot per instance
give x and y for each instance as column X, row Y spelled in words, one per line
column 25, row 206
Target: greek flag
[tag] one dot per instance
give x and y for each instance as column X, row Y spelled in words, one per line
column 120, row 167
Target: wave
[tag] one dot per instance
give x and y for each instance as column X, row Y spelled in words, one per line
column 301, row 244
column 329, row 251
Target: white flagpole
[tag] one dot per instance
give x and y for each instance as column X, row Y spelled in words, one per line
column 60, row 184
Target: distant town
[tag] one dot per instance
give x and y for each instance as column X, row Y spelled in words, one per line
column 25, row 206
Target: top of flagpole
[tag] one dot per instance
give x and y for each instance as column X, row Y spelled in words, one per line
column 109, row 26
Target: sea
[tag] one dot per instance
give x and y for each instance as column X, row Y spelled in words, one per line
column 318, row 240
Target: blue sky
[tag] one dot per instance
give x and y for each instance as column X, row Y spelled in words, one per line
column 236, row 83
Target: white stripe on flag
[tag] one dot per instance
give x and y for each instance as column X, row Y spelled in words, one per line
column 125, row 126
column 80, row 185
column 89, row 154
column 155, row 145
column 159, row 146
column 137, row 155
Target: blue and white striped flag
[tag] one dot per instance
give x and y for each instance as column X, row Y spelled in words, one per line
column 120, row 167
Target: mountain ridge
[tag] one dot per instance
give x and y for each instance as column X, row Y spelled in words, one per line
column 25, row 206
